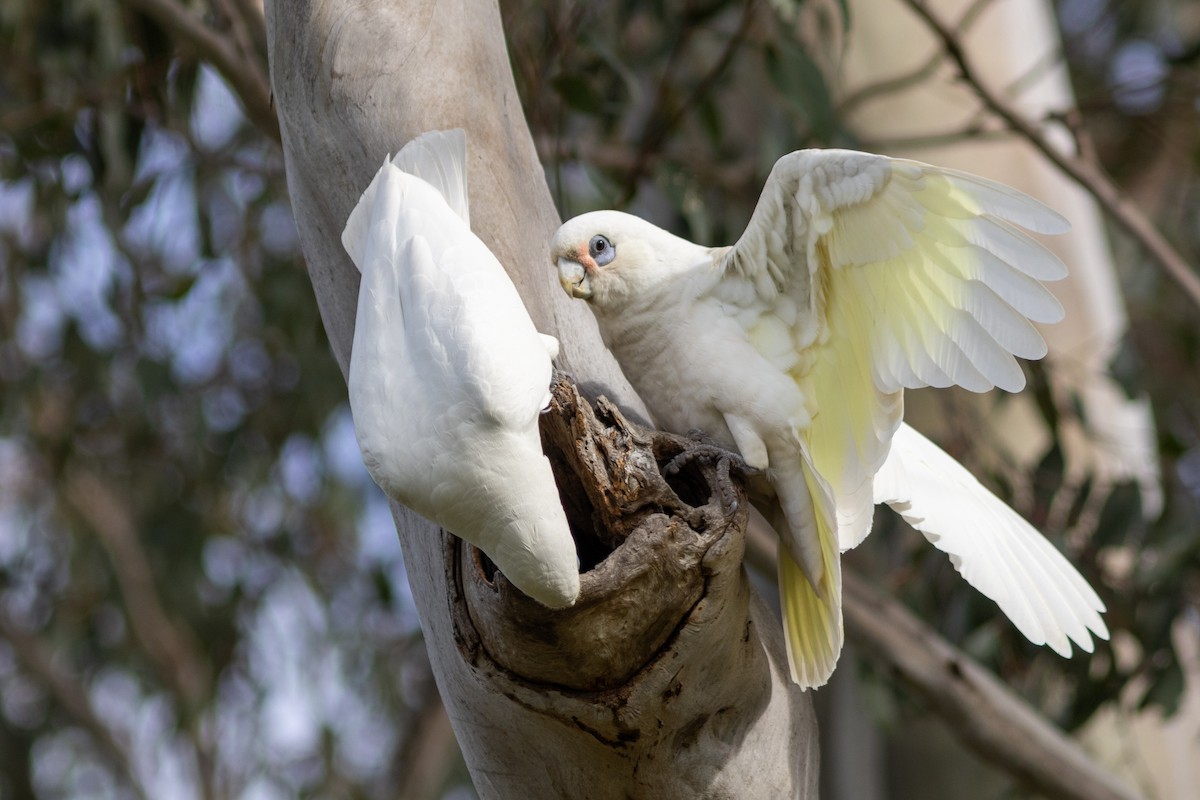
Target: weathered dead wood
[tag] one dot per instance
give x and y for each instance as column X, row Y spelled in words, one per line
column 650, row 547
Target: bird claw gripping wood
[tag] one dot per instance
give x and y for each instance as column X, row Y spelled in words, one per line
column 726, row 461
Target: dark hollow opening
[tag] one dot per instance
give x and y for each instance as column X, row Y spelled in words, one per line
column 689, row 483
column 590, row 543
column 486, row 566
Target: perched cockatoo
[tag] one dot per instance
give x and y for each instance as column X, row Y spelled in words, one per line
column 858, row 276
column 448, row 375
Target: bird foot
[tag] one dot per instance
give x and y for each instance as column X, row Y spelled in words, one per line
column 726, row 462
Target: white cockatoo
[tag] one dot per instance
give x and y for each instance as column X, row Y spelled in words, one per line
column 858, row 276
column 448, row 375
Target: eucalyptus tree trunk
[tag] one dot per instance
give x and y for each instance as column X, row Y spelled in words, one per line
column 668, row 678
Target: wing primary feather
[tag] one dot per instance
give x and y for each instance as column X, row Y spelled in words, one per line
column 942, row 337
column 1017, row 248
column 1011, row 330
column 984, row 356
column 974, row 195
column 1020, row 291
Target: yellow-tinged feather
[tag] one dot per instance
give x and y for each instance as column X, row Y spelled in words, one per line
column 853, row 420
column 812, row 616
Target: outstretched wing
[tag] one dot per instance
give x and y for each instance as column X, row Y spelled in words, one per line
column 997, row 551
column 863, row 275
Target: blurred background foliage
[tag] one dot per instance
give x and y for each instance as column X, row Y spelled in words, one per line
column 201, row 593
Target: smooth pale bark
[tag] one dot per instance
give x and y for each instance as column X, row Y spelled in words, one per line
column 707, row 711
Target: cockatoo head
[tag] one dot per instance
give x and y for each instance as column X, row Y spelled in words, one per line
column 607, row 257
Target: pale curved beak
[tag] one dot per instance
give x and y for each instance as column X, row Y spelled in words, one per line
column 574, row 279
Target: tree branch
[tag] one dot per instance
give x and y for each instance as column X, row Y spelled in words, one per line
column 168, row 647
column 986, row 715
column 989, row 718
column 666, row 120
column 39, row 662
column 1087, row 174
column 246, row 76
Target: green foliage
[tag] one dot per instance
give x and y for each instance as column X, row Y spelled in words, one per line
column 797, row 77
column 667, row 108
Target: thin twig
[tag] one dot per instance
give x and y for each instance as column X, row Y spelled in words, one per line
column 168, row 644
column 35, row 113
column 973, row 131
column 656, row 129
column 1086, row 174
column 915, row 76
column 237, row 31
column 1072, row 120
column 898, row 83
column 659, row 130
column 70, row 695
column 732, row 176
column 253, row 17
column 247, row 77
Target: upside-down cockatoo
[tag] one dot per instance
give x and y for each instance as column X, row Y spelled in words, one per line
column 448, row 375
column 857, row 277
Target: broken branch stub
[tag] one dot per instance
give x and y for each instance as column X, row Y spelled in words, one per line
column 668, row 664
column 647, row 550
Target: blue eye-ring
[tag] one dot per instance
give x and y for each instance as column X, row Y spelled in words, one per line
column 602, row 250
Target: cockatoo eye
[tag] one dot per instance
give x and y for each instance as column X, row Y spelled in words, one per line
column 601, row 250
